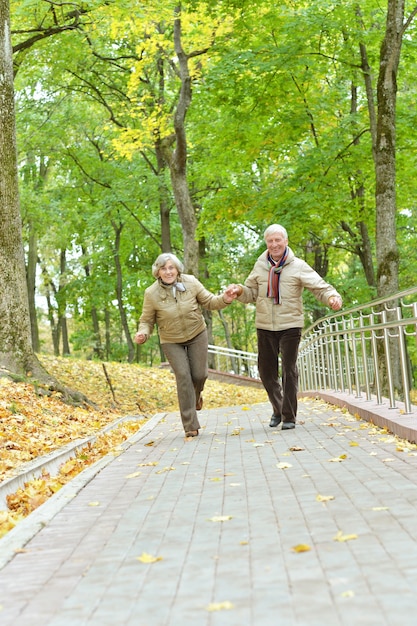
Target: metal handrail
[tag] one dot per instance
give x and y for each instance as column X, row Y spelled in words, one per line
column 365, row 349
column 235, row 361
column 370, row 348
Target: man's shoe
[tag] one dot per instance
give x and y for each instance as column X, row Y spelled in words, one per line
column 287, row 425
column 275, row 421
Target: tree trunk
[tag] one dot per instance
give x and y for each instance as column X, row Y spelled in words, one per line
column 32, row 260
column 361, row 243
column 107, row 322
column 386, row 242
column 177, row 159
column 62, row 303
column 98, row 348
column 164, row 205
column 16, row 352
column 119, row 292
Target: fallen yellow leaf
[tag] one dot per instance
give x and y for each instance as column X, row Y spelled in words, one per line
column 134, row 475
column 148, row 558
column 94, row 503
column 341, row 537
column 220, row 606
column 321, row 498
column 301, row 547
column 220, row 518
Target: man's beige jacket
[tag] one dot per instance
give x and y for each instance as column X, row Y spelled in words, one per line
column 295, row 276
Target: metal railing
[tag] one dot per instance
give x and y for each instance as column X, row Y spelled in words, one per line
column 369, row 349
column 235, row 361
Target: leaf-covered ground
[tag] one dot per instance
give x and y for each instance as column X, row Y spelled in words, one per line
column 33, row 424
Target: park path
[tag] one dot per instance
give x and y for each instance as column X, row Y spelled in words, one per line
column 243, row 526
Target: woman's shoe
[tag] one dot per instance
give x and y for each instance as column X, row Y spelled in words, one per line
column 288, row 425
column 191, row 433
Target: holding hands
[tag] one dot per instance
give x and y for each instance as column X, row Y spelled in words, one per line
column 231, row 293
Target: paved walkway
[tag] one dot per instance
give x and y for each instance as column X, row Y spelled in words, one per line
column 228, row 518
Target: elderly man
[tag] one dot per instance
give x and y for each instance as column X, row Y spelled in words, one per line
column 275, row 285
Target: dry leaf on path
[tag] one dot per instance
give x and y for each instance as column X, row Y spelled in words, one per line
column 220, row 606
column 338, row 459
column 321, row 498
column 220, row 518
column 341, row 537
column 301, row 547
column 134, row 475
column 148, row 558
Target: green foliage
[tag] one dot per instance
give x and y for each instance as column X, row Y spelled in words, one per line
column 278, row 131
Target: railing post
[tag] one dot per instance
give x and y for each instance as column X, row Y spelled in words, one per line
column 364, row 357
column 356, row 366
column 374, row 345
column 403, row 360
column 387, row 350
column 346, row 340
column 339, row 358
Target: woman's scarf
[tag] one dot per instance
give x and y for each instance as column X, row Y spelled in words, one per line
column 274, row 276
column 177, row 286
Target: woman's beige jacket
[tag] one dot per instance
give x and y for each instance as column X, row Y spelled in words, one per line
column 295, row 276
column 178, row 317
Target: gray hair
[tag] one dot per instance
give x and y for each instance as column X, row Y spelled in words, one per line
column 163, row 259
column 275, row 228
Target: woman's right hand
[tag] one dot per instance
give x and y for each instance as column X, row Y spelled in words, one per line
column 139, row 338
column 232, row 292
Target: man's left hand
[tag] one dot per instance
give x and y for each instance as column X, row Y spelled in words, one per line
column 335, row 303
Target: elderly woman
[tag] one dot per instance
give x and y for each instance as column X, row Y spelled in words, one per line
column 173, row 302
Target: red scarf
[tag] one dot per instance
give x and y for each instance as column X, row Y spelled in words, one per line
column 274, row 276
